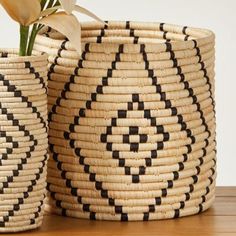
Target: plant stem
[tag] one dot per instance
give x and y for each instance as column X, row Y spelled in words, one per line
column 57, row 3
column 50, row 4
column 33, row 35
column 43, row 3
column 24, row 34
column 26, row 47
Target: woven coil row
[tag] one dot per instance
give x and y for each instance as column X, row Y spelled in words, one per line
column 23, row 140
column 132, row 122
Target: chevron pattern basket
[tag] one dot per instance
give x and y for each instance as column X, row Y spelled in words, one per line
column 23, row 140
column 132, row 122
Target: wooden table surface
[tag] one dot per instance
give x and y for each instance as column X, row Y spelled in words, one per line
column 219, row 220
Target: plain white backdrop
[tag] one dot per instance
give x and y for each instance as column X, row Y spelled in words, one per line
column 217, row 15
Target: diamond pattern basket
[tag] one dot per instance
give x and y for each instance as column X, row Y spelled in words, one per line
column 132, row 121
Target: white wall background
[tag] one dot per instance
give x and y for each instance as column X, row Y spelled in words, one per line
column 217, row 15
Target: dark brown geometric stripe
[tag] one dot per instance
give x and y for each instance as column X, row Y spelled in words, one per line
column 66, row 85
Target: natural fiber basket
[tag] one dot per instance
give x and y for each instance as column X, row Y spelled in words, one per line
column 23, row 140
column 132, row 121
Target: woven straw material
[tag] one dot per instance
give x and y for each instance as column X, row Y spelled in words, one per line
column 15, row 144
column 12, row 187
column 16, row 128
column 21, row 179
column 25, row 166
column 23, row 170
column 132, row 216
column 183, row 153
column 165, row 173
column 129, row 206
column 30, row 207
column 134, row 203
column 122, row 121
column 130, row 114
column 106, row 160
column 146, row 96
column 143, row 146
column 175, row 79
column 22, row 226
column 22, row 156
column 23, row 140
column 128, row 162
column 147, row 183
column 130, row 138
column 131, row 121
column 24, row 195
column 86, row 199
column 31, row 160
column 22, row 150
column 20, row 182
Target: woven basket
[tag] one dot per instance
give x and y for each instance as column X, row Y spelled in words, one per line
column 132, row 122
column 23, row 140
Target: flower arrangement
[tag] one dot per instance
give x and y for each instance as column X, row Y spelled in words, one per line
column 32, row 15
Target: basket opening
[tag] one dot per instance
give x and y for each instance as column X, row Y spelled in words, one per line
column 133, row 33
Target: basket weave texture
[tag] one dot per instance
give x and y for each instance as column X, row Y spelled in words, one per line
column 132, row 121
column 23, row 140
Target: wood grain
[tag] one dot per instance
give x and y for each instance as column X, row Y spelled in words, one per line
column 219, row 220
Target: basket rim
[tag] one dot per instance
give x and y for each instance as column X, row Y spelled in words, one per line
column 14, row 58
column 207, row 35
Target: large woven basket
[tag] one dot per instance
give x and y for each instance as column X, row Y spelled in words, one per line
column 23, row 140
column 132, row 122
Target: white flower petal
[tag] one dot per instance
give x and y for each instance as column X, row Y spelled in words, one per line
column 24, row 12
column 67, row 25
column 49, row 11
column 88, row 13
column 68, row 5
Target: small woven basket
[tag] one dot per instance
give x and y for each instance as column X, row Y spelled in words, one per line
column 23, row 140
column 132, row 121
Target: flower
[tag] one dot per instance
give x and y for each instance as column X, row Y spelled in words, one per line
column 70, row 5
column 27, row 12
column 66, row 23
column 24, row 12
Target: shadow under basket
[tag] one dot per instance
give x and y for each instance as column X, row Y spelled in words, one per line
column 23, row 140
column 132, row 121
